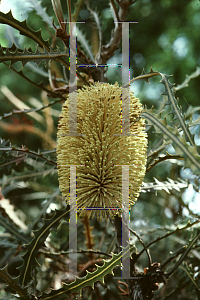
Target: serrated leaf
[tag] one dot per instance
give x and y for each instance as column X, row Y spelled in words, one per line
column 13, row 283
column 8, row 209
column 154, row 152
column 27, row 56
column 96, row 33
column 187, row 79
column 14, row 48
column 144, row 76
column 24, row 29
column 160, row 159
column 41, row 11
column 191, row 110
column 91, row 278
column 165, row 185
column 29, row 153
column 38, row 241
column 176, row 110
column 190, row 153
column 84, row 43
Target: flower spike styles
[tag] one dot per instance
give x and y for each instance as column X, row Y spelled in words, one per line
column 100, row 150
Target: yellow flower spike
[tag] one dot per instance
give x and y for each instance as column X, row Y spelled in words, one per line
column 101, row 150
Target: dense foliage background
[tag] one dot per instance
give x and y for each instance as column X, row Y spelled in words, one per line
column 166, row 38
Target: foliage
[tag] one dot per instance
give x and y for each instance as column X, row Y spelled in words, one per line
column 34, row 218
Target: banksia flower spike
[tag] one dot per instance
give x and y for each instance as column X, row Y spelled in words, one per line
column 101, row 150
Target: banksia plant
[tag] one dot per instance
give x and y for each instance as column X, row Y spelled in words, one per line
column 99, row 150
column 44, row 253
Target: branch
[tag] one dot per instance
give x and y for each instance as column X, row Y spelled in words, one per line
column 189, row 247
column 30, row 153
column 144, row 247
column 50, row 93
column 108, row 50
column 188, row 78
column 188, row 225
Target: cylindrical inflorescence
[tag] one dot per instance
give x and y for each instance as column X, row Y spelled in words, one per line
column 101, row 149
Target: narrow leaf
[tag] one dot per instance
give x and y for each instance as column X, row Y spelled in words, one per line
column 30, row 154
column 13, row 283
column 37, row 242
column 24, row 29
column 144, row 76
column 165, row 185
column 176, row 110
column 41, row 11
column 91, row 278
column 27, row 56
column 192, row 158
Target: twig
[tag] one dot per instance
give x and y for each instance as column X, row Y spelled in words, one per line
column 172, row 256
column 40, row 86
column 26, row 111
column 73, row 251
column 31, row 153
column 189, row 247
column 26, row 176
column 188, row 78
column 168, row 234
column 19, row 103
column 145, row 248
column 115, row 10
column 161, row 159
column 69, row 10
column 108, row 50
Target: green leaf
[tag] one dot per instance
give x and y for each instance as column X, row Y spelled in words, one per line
column 167, row 186
column 144, row 76
column 30, row 154
column 24, row 29
column 176, row 110
column 13, row 283
column 91, row 278
column 27, row 56
column 37, row 242
column 41, row 11
column 184, row 255
column 192, row 158
column 85, row 44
